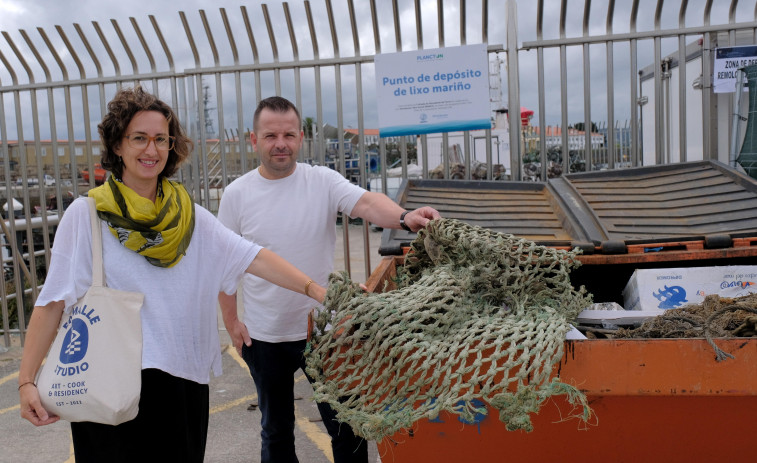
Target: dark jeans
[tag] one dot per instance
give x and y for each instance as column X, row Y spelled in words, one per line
column 272, row 366
column 172, row 425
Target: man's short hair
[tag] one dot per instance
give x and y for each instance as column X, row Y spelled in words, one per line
column 276, row 104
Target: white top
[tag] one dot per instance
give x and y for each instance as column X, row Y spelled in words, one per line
column 180, row 311
column 296, row 218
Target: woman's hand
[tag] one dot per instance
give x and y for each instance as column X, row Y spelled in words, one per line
column 31, row 407
column 43, row 325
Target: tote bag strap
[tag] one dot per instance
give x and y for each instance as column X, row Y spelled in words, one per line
column 97, row 245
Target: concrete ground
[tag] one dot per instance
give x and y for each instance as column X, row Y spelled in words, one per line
column 234, row 430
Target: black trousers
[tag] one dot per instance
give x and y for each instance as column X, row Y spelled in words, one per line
column 272, row 366
column 172, row 425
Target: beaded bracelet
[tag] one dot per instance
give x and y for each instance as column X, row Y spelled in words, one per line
column 24, row 384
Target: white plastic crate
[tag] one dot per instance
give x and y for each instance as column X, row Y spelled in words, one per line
column 671, row 288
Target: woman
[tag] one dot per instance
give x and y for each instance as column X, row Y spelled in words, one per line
column 180, row 270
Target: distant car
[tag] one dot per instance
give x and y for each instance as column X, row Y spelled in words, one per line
column 100, row 174
column 49, row 180
column 29, row 181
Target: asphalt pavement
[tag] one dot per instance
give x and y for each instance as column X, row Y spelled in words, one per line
column 234, row 428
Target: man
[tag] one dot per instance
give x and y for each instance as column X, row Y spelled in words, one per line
column 291, row 208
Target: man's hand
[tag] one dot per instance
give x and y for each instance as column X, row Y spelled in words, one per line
column 236, row 329
column 420, row 217
column 238, row 334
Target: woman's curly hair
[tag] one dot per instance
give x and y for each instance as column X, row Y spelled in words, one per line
column 121, row 110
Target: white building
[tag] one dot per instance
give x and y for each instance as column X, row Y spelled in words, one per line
column 553, row 137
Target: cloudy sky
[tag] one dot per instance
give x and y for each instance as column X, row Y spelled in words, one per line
column 28, row 15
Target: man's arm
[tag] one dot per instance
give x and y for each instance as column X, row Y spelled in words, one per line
column 236, row 328
column 380, row 210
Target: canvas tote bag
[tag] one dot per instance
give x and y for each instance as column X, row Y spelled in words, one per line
column 93, row 369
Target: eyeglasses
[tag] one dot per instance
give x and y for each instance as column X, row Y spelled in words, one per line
column 140, row 141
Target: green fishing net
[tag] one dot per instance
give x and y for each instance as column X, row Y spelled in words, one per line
column 477, row 317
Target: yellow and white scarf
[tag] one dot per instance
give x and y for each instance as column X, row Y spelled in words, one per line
column 160, row 231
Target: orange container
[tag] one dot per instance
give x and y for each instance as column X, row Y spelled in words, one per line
column 656, row 400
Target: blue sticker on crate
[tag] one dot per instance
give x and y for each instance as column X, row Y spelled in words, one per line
column 670, row 297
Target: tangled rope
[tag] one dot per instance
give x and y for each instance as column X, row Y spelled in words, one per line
column 715, row 317
column 476, row 315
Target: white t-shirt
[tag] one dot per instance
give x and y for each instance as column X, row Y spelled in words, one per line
column 179, row 314
column 296, row 218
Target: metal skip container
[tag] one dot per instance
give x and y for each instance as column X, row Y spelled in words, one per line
column 652, row 399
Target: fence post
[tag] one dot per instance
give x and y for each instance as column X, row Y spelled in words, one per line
column 513, row 89
column 735, row 132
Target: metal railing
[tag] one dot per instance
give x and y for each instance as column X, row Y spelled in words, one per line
column 213, row 67
column 680, row 112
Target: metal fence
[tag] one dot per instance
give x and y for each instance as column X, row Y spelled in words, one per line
column 213, row 68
